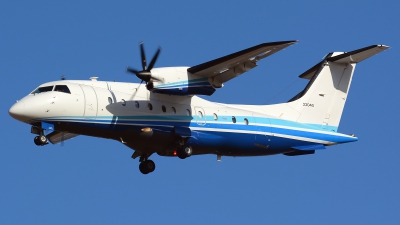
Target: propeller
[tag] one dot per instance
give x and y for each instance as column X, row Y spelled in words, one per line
column 145, row 74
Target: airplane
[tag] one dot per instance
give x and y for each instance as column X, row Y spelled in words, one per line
column 166, row 115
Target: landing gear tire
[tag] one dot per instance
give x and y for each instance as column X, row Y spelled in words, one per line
column 40, row 140
column 147, row 166
column 185, row 151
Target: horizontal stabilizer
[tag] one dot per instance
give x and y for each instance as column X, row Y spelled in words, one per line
column 355, row 56
column 359, row 55
column 309, row 147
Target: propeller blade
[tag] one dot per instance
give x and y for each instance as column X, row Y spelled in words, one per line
column 155, row 78
column 137, row 89
column 153, row 61
column 144, row 75
column 131, row 70
column 143, row 56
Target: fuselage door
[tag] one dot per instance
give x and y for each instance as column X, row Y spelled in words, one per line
column 90, row 102
column 200, row 116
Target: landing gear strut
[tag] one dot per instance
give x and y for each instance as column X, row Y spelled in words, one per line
column 146, row 165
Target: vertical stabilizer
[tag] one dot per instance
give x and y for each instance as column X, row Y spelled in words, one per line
column 323, row 99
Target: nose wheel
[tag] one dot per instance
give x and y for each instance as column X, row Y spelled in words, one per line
column 40, row 140
column 147, row 166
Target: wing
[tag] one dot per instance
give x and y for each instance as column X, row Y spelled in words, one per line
column 57, row 137
column 225, row 68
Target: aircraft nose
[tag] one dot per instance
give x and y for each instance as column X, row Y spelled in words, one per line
column 17, row 110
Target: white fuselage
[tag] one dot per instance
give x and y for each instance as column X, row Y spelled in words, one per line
column 120, row 111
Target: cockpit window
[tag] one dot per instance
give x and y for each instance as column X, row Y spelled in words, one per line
column 42, row 89
column 62, row 88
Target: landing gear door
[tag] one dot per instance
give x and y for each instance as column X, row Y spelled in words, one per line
column 90, row 110
column 200, row 116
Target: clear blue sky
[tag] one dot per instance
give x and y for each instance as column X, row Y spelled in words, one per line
column 94, row 181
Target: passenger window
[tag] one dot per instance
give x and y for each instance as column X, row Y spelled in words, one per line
column 173, row 110
column 215, row 116
column 188, row 113
column 200, row 114
column 233, row 119
column 123, row 102
column 246, row 121
column 42, row 89
column 136, row 104
column 163, row 108
column 62, row 88
column 150, row 106
column 110, row 100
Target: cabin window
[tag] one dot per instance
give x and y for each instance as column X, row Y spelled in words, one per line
column 215, row 116
column 200, row 114
column 150, row 106
column 188, row 113
column 62, row 88
column 137, row 104
column 123, row 102
column 42, row 89
column 246, row 121
column 163, row 108
column 109, row 100
column 233, row 119
column 173, row 110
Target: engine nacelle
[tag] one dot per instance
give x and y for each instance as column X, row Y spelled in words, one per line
column 177, row 81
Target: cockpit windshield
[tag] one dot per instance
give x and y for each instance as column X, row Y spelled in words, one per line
column 42, row 89
column 58, row 88
column 62, row 88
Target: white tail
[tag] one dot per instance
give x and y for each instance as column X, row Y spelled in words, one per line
column 323, row 99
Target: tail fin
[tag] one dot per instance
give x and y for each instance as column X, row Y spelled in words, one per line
column 323, row 99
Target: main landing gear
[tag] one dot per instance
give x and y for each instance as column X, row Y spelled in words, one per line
column 184, row 151
column 146, row 165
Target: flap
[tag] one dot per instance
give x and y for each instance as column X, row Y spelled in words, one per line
column 230, row 66
column 57, row 137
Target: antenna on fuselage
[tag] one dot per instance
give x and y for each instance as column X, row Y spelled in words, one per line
column 63, row 77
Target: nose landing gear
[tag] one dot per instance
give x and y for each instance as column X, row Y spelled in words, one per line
column 40, row 140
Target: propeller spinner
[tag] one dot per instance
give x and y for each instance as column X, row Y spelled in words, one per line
column 145, row 74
